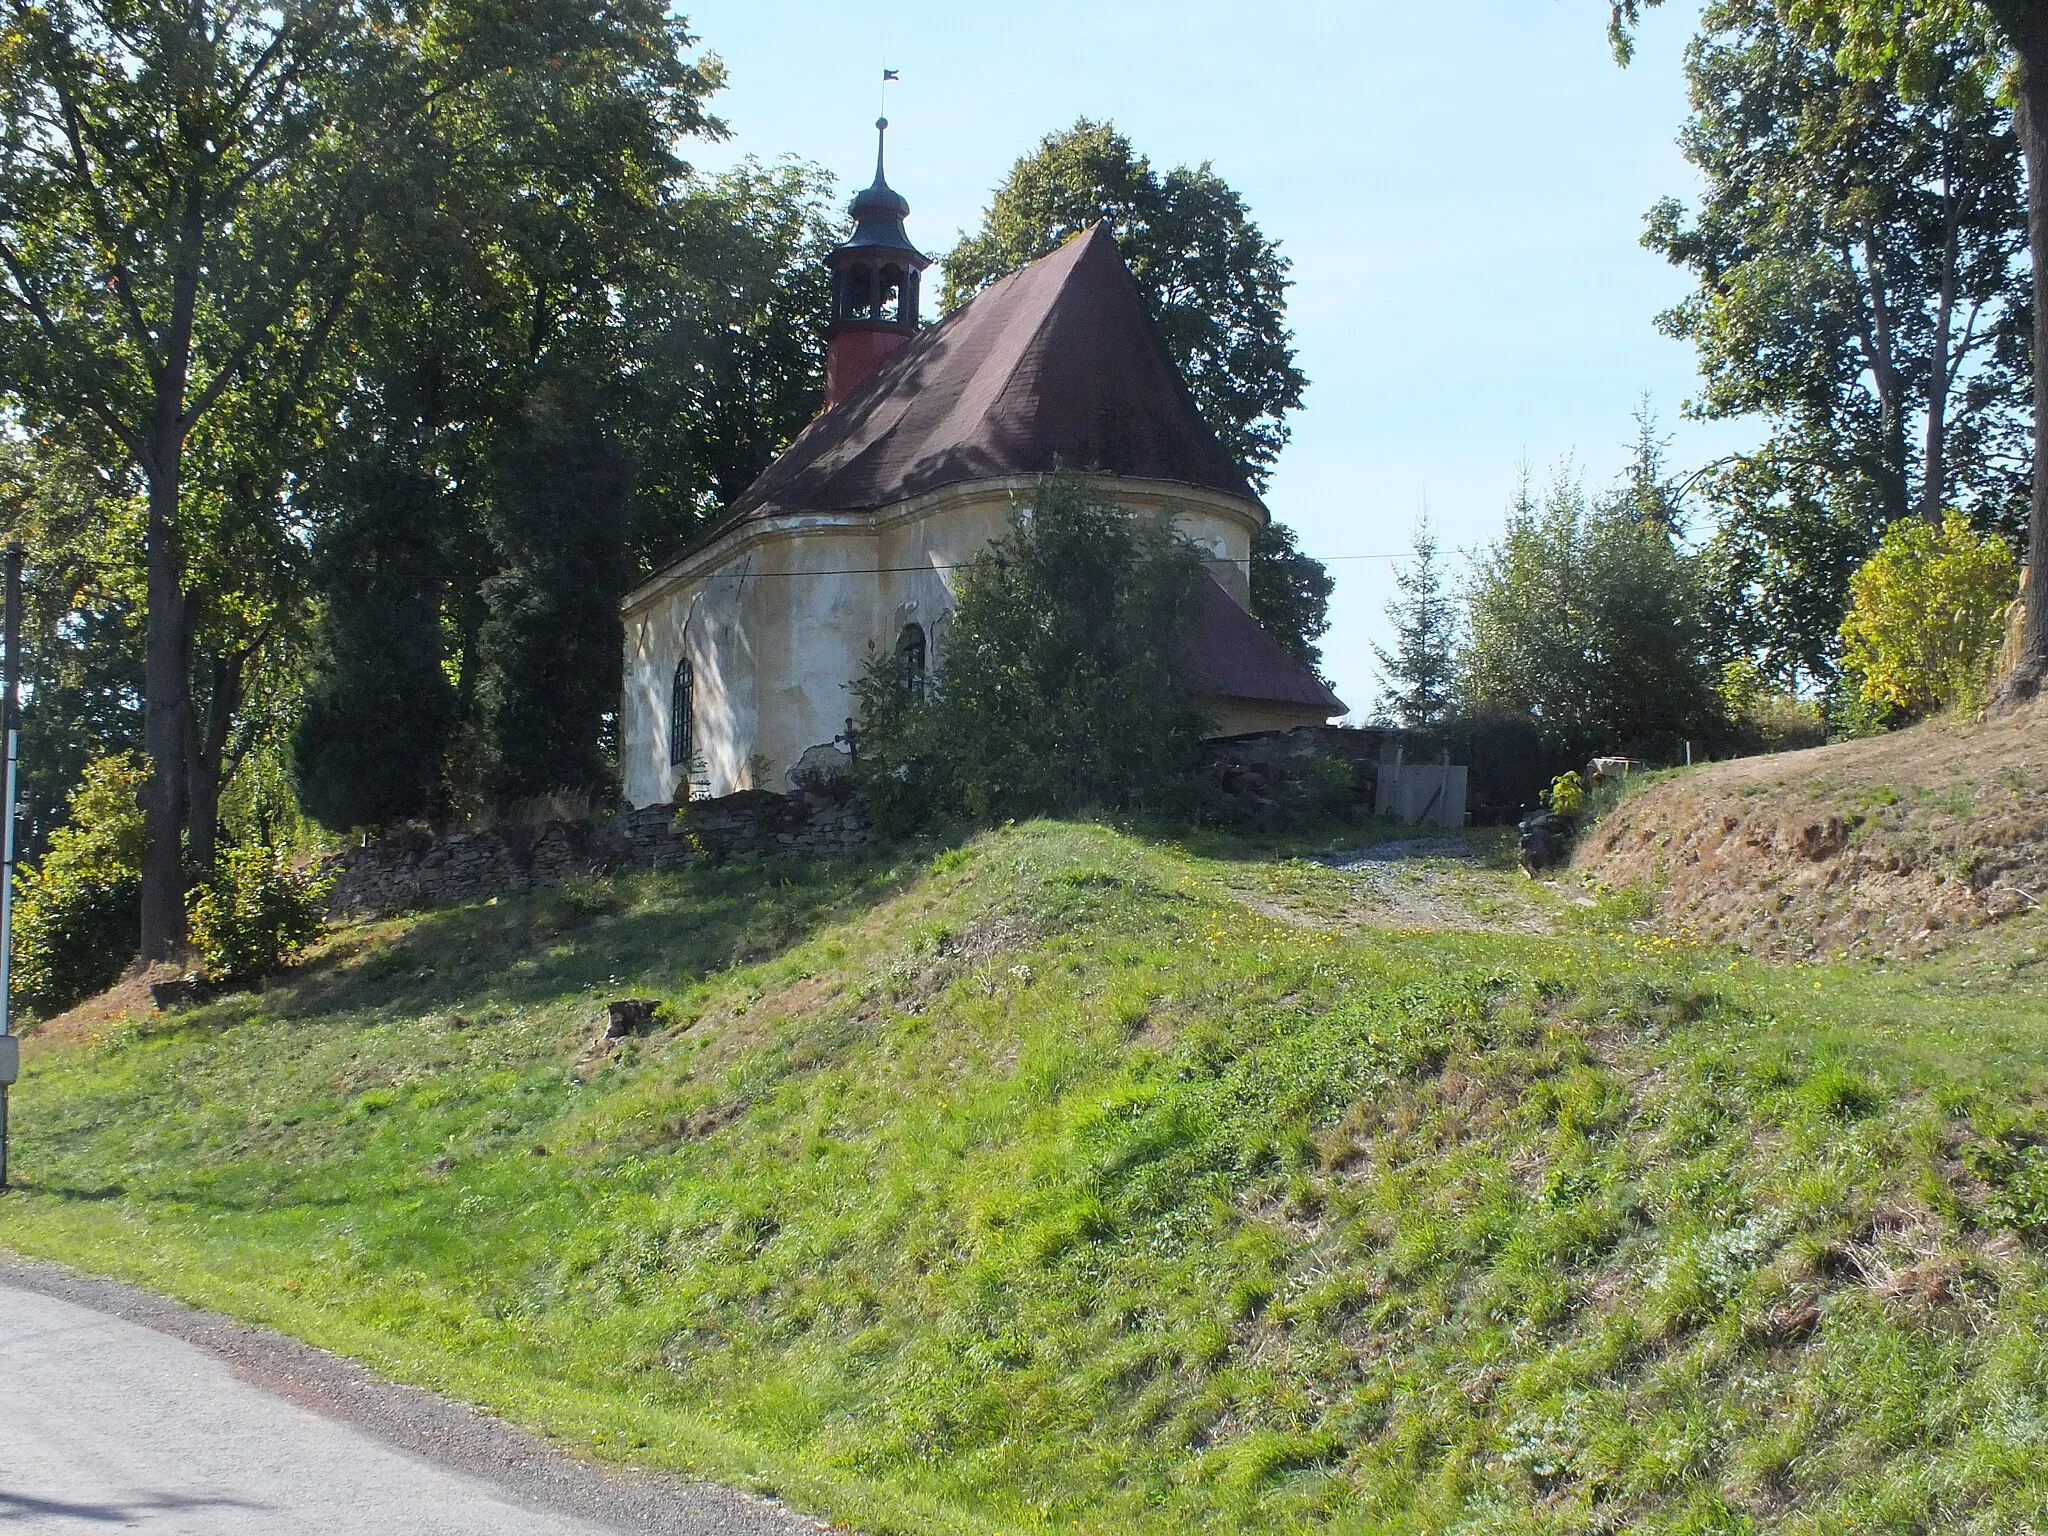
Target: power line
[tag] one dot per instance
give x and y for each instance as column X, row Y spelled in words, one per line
column 911, row 570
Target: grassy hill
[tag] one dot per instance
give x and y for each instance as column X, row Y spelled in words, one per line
column 1071, row 1179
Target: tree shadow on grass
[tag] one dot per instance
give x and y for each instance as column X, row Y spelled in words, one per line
column 647, row 934
column 73, row 1193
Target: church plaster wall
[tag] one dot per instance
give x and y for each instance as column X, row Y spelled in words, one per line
column 1244, row 717
column 778, row 616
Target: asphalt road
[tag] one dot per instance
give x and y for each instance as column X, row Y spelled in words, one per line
column 122, row 1411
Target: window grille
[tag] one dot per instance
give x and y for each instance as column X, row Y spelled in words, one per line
column 682, row 717
column 910, row 660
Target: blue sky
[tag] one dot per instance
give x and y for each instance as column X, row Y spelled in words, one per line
column 1460, row 186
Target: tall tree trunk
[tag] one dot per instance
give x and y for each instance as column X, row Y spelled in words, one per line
column 2033, row 120
column 1884, row 374
column 2027, row 26
column 1934, row 461
column 167, row 634
column 165, row 707
column 206, row 756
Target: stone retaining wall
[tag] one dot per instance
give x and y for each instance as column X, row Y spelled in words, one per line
column 417, row 867
column 1264, row 777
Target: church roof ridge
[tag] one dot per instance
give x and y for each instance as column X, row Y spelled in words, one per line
column 1057, row 363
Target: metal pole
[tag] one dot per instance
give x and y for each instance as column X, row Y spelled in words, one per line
column 12, row 715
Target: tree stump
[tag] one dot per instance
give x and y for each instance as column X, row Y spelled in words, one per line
column 630, row 1016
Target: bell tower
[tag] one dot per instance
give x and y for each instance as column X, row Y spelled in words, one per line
column 874, row 284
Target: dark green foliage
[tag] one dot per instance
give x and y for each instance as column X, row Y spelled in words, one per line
column 75, row 913
column 83, row 682
column 1290, row 593
column 1643, row 489
column 206, row 261
column 1774, row 574
column 622, row 365
column 1583, row 619
column 1420, row 671
column 379, row 705
column 550, row 644
column 254, row 914
column 81, row 631
column 1512, row 760
column 1217, row 285
column 1059, row 683
column 726, row 345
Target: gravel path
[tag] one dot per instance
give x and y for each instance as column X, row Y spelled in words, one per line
column 120, row 1410
column 1449, row 883
column 1395, row 852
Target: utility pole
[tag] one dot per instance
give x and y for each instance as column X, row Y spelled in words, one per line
column 10, row 1048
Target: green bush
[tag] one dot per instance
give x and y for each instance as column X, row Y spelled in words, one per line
column 1060, row 686
column 1767, row 719
column 255, row 914
column 1926, row 616
column 77, row 915
column 1567, row 794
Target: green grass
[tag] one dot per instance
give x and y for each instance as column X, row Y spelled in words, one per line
column 1038, row 1184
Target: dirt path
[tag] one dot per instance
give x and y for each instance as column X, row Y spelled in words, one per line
column 1466, row 882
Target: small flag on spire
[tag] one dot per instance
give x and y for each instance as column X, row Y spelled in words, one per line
column 890, row 74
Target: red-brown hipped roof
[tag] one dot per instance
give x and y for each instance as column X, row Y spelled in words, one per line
column 1056, row 364
column 1230, row 657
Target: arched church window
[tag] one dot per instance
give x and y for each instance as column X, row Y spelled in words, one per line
column 910, row 660
column 889, row 294
column 682, row 717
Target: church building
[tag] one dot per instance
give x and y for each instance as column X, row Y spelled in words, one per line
column 741, row 651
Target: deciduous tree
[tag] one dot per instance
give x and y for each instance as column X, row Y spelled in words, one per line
column 1290, row 593
column 1061, row 684
column 186, row 192
column 1860, row 255
column 1928, row 612
column 550, row 650
column 1218, row 286
column 1915, row 44
column 379, row 706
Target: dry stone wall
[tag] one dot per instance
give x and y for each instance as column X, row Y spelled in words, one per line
column 417, row 867
column 1261, row 776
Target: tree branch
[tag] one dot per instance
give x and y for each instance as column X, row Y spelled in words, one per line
column 28, row 299
column 122, row 280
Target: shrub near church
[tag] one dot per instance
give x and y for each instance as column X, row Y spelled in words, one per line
column 1062, row 684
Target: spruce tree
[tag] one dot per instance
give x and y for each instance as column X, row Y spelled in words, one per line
column 379, row 705
column 1583, row 621
column 1420, row 671
column 549, row 649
